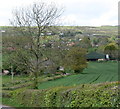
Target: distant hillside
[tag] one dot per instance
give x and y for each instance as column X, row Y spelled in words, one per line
column 102, row 31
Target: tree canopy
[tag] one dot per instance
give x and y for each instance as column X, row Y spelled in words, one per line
column 75, row 59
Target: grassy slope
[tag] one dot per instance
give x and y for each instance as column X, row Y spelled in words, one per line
column 95, row 73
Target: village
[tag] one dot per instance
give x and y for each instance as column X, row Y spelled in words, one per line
column 47, row 63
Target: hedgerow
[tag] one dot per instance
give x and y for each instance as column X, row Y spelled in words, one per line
column 100, row 95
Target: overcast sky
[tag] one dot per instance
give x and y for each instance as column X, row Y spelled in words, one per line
column 77, row 12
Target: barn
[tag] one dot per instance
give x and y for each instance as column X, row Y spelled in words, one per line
column 94, row 56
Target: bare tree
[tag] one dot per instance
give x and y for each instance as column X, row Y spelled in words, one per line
column 32, row 22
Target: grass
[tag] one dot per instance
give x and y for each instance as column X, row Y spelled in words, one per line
column 10, row 102
column 8, row 79
column 23, row 81
column 95, row 73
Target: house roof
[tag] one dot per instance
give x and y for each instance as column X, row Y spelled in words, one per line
column 95, row 55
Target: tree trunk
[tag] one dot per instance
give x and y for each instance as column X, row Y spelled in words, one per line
column 35, row 83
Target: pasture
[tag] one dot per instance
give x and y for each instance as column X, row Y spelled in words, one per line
column 95, row 73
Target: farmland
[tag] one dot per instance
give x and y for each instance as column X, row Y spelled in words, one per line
column 47, row 65
column 96, row 86
column 102, row 76
column 95, row 73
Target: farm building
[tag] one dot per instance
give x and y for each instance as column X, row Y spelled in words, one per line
column 93, row 56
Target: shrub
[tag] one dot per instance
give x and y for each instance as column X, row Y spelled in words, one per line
column 77, row 96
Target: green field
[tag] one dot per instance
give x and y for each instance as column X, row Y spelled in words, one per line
column 17, row 94
column 95, row 73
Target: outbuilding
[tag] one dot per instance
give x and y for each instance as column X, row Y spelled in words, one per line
column 94, row 56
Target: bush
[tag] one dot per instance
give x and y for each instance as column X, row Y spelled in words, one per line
column 105, row 95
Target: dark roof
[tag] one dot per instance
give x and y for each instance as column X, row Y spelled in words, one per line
column 95, row 55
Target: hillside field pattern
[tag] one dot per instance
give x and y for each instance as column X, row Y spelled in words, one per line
column 94, row 73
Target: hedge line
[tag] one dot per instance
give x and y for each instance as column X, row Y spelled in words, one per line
column 101, row 95
column 27, row 83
